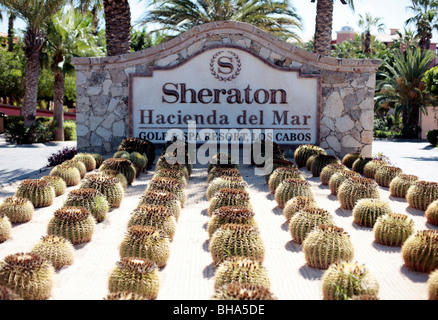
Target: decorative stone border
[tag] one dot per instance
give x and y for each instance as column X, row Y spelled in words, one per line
column 347, row 113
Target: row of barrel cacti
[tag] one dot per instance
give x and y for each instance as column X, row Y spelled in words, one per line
column 361, row 195
column 325, row 245
column 236, row 246
column 30, row 275
column 151, row 228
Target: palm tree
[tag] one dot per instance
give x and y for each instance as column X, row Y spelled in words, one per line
column 367, row 23
column 35, row 13
column 68, row 34
column 275, row 16
column 323, row 25
column 95, row 7
column 11, row 19
column 402, row 87
column 425, row 13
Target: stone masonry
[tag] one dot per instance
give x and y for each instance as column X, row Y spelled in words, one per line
column 346, row 119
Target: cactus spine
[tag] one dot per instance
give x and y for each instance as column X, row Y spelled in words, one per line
column 123, row 166
column 431, row 213
column 432, row 285
column 302, row 223
column 87, row 159
column 420, row 251
column 39, row 192
column 236, row 240
column 146, row 242
column 162, row 198
column 225, row 182
column 170, row 185
column 355, row 188
column 110, row 187
column 371, row 167
column 345, row 280
column 5, row 228
column 241, row 270
column 326, row 245
column 168, row 173
column 70, row 174
column 421, row 194
column 218, row 172
column 328, row 172
column 58, row 250
column 18, row 210
column 229, row 197
column 76, row 224
column 366, row 211
column 297, row 204
column 291, row 188
column 385, row 174
column 57, row 183
column 78, row 165
column 28, row 274
column 135, row 275
column 338, row 177
column 393, row 229
column 243, row 291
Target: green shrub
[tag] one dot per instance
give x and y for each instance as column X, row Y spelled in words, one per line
column 42, row 131
column 432, row 137
column 70, row 130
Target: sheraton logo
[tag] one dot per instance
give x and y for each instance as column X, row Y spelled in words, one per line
column 225, row 65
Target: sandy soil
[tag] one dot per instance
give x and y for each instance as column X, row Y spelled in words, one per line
column 189, row 272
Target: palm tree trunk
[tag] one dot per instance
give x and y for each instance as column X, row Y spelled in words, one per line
column 411, row 123
column 33, row 43
column 323, row 27
column 367, row 43
column 118, row 26
column 11, row 32
column 58, row 98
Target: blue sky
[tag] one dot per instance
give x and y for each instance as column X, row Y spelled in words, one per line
column 392, row 12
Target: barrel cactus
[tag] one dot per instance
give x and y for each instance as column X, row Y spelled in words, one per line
column 328, row 172
column 168, row 173
column 225, row 182
column 230, row 214
column 359, row 164
column 366, row 211
column 282, row 173
column 78, row 165
column 297, row 204
column 163, row 163
column 75, row 224
column 338, row 177
column 302, row 223
column 350, row 158
column 87, row 159
column 371, row 167
column 277, row 163
column 5, row 228
column 91, row 199
column 304, row 151
column 170, row 185
column 70, row 174
column 18, row 210
column 345, row 280
column 123, row 296
column 28, row 274
column 110, row 187
column 393, row 229
column 139, row 161
column 139, row 145
column 243, row 291
column 154, row 216
column 121, row 154
column 320, row 162
column 229, row 197
column 162, row 198
column 400, row 184
column 431, row 213
column 57, row 183
column 218, row 172
column 355, row 188
column 98, row 158
column 241, row 270
column 291, row 188
column 385, row 174
column 326, row 245
column 39, row 192
column 420, row 251
column 421, row 194
column 124, row 166
column 221, row 159
column 118, row 175
column 7, row 294
column 135, row 275
column 236, row 240
column 58, row 250
column 432, row 285
column 309, row 162
column 146, row 242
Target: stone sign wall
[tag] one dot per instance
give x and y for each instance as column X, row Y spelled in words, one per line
column 345, row 91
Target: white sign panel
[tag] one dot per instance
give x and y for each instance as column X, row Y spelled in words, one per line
column 225, row 88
